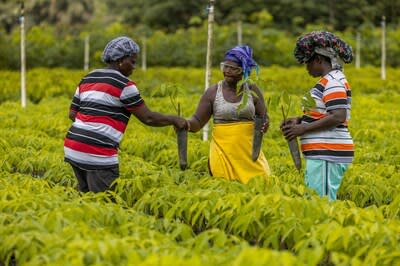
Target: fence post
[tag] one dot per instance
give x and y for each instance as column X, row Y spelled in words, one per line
column 144, row 53
column 383, row 46
column 239, row 32
column 23, row 58
column 208, row 58
column 86, row 53
column 358, row 50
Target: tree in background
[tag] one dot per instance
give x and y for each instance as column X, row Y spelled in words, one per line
column 63, row 14
column 289, row 15
column 175, row 30
column 8, row 15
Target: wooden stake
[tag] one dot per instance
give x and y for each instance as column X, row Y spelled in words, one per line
column 239, row 32
column 208, row 58
column 86, row 53
column 383, row 46
column 23, row 59
column 144, row 53
column 358, row 50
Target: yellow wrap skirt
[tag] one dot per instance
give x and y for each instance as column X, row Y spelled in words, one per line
column 230, row 153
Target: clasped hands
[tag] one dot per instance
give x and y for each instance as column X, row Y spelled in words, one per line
column 292, row 127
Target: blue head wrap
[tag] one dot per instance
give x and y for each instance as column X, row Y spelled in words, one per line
column 242, row 55
column 119, row 48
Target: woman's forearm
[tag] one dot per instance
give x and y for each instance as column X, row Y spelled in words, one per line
column 194, row 124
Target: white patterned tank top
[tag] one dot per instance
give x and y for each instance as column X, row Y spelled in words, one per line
column 227, row 112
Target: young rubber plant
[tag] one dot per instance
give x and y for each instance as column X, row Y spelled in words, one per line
column 245, row 84
column 172, row 90
column 258, row 120
column 285, row 103
column 308, row 102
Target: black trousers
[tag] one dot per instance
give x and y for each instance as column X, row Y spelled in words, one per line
column 95, row 180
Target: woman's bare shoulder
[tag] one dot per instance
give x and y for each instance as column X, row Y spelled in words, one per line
column 211, row 91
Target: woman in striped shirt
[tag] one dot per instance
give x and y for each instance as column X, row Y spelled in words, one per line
column 100, row 110
column 326, row 142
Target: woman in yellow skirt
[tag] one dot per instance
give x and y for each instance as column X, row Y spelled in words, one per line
column 233, row 116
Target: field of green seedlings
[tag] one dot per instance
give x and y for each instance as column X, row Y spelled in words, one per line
column 160, row 215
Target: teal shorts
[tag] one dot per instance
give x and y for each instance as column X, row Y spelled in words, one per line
column 325, row 177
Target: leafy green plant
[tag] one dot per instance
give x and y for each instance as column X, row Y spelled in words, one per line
column 243, row 89
column 308, row 102
column 285, row 102
column 162, row 215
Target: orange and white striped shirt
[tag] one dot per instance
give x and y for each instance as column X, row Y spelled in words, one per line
column 336, row 144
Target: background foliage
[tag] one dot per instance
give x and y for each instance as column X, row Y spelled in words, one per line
column 171, row 15
column 160, row 215
column 176, row 30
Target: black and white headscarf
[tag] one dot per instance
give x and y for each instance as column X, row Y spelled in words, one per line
column 119, row 48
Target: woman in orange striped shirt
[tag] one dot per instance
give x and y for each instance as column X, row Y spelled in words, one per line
column 326, row 142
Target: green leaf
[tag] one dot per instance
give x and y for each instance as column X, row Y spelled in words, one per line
column 308, row 102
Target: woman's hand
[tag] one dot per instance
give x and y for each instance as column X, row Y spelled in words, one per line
column 265, row 126
column 290, row 121
column 187, row 125
column 290, row 131
column 292, row 128
column 180, row 123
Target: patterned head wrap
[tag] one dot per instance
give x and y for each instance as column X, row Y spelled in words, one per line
column 326, row 44
column 118, row 48
column 242, row 55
